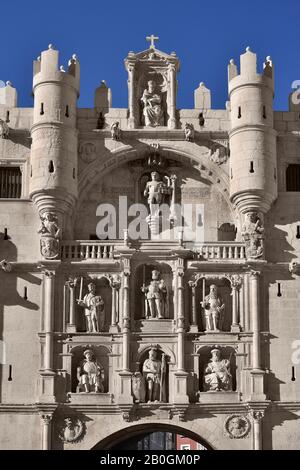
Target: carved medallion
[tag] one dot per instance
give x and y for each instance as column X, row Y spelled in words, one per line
column 87, row 151
column 71, row 430
column 236, row 426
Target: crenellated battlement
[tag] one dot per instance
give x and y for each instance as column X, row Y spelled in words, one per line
column 248, row 72
column 46, row 69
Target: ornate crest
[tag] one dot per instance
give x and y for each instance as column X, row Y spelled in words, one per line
column 49, row 247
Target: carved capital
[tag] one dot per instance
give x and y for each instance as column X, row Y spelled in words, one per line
column 257, row 415
column 115, row 281
column 46, row 418
column 72, row 282
column 49, row 274
column 254, row 274
column 236, row 280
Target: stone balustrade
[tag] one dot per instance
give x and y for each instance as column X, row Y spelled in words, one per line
column 87, row 250
column 221, row 251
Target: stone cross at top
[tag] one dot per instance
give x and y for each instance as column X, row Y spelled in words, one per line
column 152, row 38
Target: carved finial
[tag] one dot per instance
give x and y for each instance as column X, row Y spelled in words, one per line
column 8, row 83
column 61, row 68
column 248, row 49
column 231, row 62
column 268, row 58
column 74, row 56
column 151, row 39
column 38, row 58
column 50, row 46
column 201, row 84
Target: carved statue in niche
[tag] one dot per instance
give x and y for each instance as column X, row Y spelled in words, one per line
column 213, row 310
column 252, row 234
column 90, row 374
column 154, row 372
column 4, row 130
column 138, row 387
column 115, row 131
column 93, row 309
column 156, row 190
column 152, row 101
column 155, row 296
column 189, row 132
column 217, row 376
column 50, row 235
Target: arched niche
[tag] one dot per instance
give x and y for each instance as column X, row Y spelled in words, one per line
column 199, row 181
column 161, row 87
column 142, row 276
column 103, row 289
column 165, row 377
column 101, row 355
column 204, row 355
column 201, row 285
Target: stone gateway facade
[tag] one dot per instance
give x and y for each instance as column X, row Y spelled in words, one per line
column 150, row 261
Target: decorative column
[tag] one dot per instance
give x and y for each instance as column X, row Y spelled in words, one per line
column 115, row 284
column 254, row 302
column 47, row 374
column 180, row 394
column 236, row 282
column 125, row 385
column 194, row 325
column 257, row 417
column 132, row 95
column 46, row 431
column 172, row 99
column 49, row 277
column 71, row 326
column 257, row 374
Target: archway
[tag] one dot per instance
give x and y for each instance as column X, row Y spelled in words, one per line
column 153, row 437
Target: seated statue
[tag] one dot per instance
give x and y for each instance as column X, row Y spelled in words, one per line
column 217, row 376
column 90, row 374
column 214, row 310
column 153, row 112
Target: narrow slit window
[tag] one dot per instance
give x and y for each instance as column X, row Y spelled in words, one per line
column 251, row 170
column 239, row 112
column 67, row 111
column 264, row 112
column 42, row 109
column 7, row 116
column 51, row 167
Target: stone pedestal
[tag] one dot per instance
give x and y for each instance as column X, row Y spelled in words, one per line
column 257, row 385
column 125, row 395
column 219, row 397
column 91, row 398
column 160, row 325
column 47, row 382
column 180, row 393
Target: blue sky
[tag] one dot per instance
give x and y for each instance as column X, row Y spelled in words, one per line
column 205, row 35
